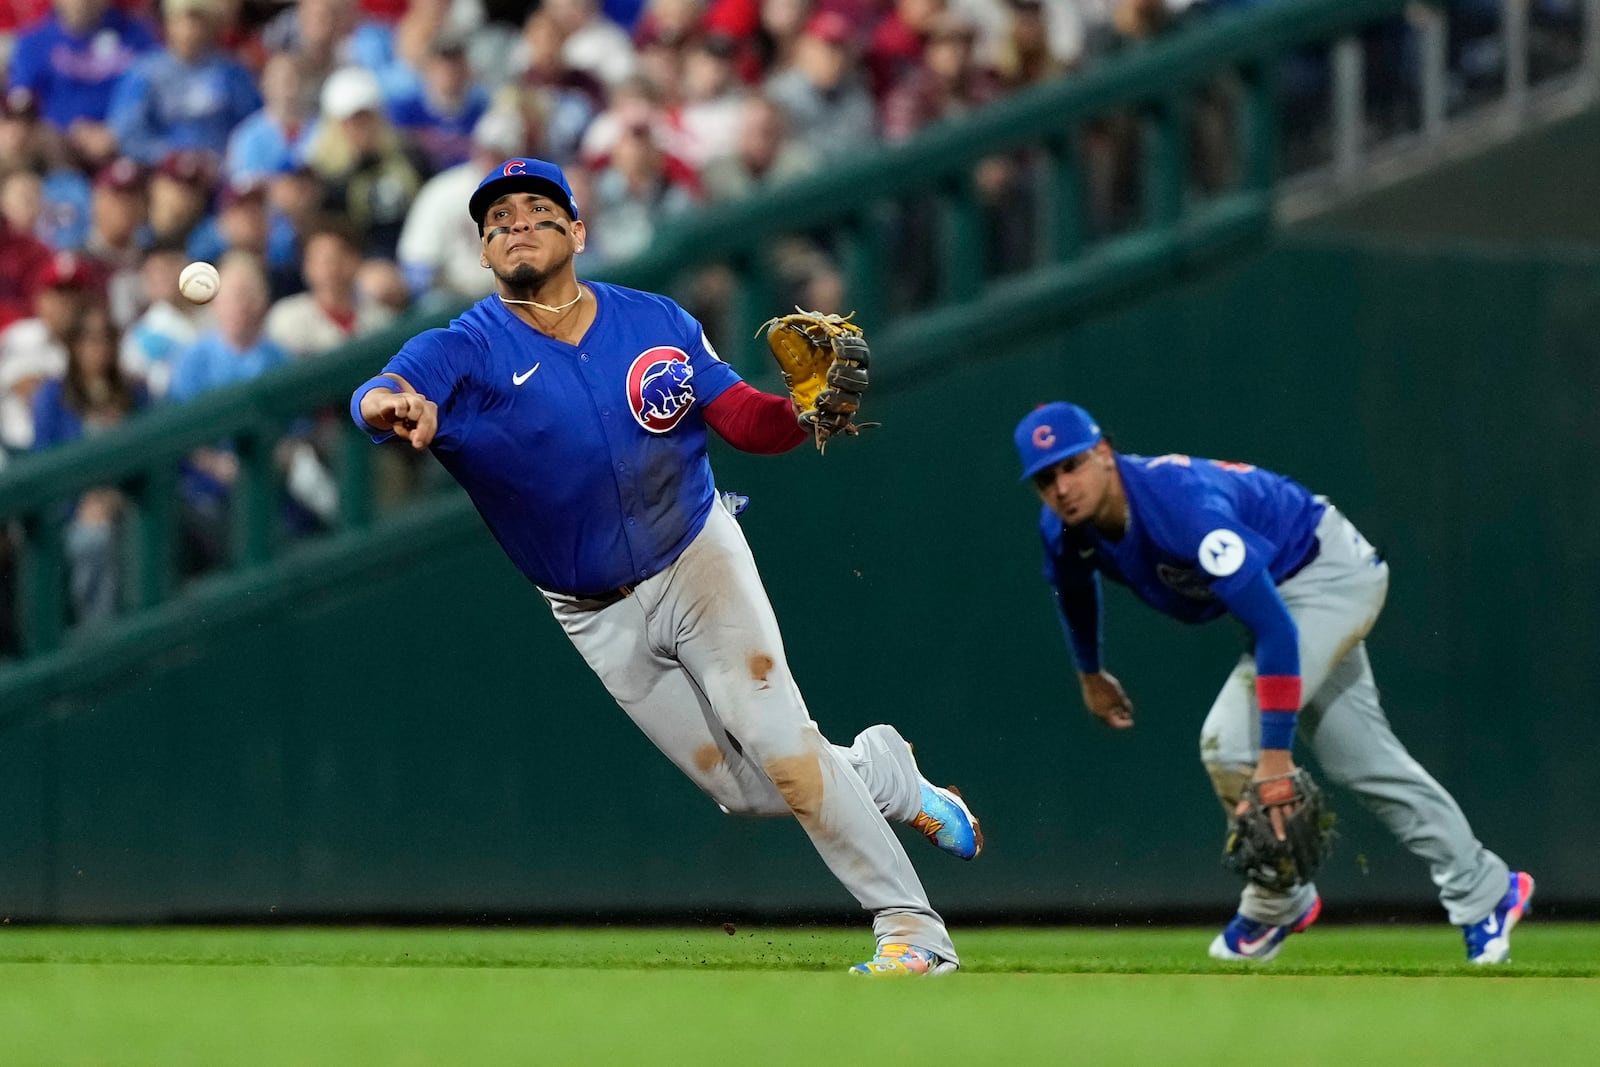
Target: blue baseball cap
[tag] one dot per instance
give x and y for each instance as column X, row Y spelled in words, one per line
column 1051, row 432
column 522, row 175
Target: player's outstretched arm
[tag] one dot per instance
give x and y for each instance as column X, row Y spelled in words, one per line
column 402, row 411
column 1106, row 700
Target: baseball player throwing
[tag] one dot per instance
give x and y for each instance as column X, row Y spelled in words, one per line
column 1197, row 538
column 574, row 414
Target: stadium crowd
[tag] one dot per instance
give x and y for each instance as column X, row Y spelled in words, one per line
column 322, row 154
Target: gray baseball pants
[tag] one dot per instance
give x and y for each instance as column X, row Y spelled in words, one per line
column 695, row 658
column 1335, row 601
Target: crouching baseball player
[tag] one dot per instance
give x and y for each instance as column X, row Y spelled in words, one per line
column 1196, row 539
column 575, row 414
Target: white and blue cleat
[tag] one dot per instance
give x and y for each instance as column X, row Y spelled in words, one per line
column 946, row 820
column 1489, row 939
column 1245, row 939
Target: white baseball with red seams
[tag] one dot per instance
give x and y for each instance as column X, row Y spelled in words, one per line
column 199, row 282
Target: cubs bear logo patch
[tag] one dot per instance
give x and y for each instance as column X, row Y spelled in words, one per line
column 659, row 388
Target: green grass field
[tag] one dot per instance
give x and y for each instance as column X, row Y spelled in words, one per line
column 1339, row 995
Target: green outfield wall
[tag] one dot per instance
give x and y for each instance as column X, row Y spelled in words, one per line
column 423, row 740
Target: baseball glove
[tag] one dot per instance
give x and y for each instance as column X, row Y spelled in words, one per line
column 824, row 363
column 1253, row 849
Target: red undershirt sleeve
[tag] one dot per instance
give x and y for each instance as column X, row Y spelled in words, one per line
column 753, row 421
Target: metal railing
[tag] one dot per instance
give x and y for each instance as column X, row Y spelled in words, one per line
column 858, row 209
column 1545, row 66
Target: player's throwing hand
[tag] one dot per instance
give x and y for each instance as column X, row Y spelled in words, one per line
column 409, row 415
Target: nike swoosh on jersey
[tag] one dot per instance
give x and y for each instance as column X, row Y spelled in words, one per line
column 1085, row 553
column 518, row 379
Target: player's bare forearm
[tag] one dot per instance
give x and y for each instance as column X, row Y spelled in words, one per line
column 402, row 411
column 1106, row 700
column 1274, row 763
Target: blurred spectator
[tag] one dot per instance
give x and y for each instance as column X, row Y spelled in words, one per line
column 625, row 13
column 93, row 394
column 90, row 398
column 737, row 20
column 660, row 57
column 246, row 222
column 190, row 94
column 33, row 350
column 239, row 223
column 439, row 115
column 382, row 284
column 713, row 100
column 74, row 61
column 895, row 48
column 677, row 21
column 395, row 53
column 591, row 42
column 316, row 34
column 439, row 247
column 22, row 141
column 575, row 96
column 366, row 171
column 23, row 260
column 830, row 110
column 635, row 102
column 1141, row 20
column 782, row 22
column 118, row 217
column 946, row 84
column 22, row 200
column 269, row 140
column 332, row 310
column 765, row 155
column 294, row 204
column 234, row 350
column 64, row 222
column 168, row 325
column 635, row 192
column 180, row 190
column 26, row 143
column 1024, row 55
column 1079, row 31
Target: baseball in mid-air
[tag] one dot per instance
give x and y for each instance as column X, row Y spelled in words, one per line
column 199, row 282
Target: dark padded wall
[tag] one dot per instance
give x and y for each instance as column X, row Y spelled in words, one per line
column 349, row 759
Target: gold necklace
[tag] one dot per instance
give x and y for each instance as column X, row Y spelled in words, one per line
column 552, row 308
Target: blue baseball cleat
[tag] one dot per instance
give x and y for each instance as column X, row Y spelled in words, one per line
column 946, row 820
column 1254, row 942
column 903, row 961
column 1489, row 939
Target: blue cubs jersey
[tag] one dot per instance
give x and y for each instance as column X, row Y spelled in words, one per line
column 587, row 462
column 1198, row 529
